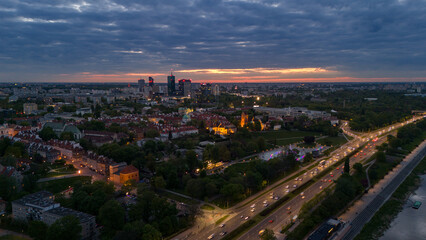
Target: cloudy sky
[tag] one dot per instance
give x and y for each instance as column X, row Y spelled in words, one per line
column 212, row 40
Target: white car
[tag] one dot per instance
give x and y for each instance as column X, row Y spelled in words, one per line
column 253, row 206
column 287, row 191
column 246, row 218
column 266, row 201
column 222, row 225
column 295, row 186
column 265, row 205
column 287, row 186
column 211, row 236
column 253, row 209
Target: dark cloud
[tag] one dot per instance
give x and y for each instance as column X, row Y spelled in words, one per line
column 359, row 38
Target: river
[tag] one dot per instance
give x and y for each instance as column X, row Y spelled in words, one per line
column 410, row 223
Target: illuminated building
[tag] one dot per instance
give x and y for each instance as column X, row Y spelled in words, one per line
column 244, row 119
column 151, row 82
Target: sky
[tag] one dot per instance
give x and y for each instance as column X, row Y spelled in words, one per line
column 213, row 40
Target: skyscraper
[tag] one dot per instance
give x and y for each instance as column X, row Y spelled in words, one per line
column 185, row 87
column 141, row 84
column 171, row 85
column 151, row 81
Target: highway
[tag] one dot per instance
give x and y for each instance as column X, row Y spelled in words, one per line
column 243, row 212
column 281, row 217
column 381, row 197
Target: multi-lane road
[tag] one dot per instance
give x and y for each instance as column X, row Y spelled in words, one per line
column 282, row 216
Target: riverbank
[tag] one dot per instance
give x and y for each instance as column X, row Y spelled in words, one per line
column 383, row 218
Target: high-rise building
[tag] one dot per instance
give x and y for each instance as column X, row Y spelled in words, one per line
column 171, row 85
column 141, row 85
column 179, row 91
column 187, row 88
column 216, row 90
column 206, row 88
column 151, row 81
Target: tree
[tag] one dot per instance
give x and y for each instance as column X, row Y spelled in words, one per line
column 149, row 232
column 309, row 139
column 111, row 215
column 359, row 168
column 268, row 234
column 159, row 182
column 37, row 230
column 233, row 191
column 381, row 156
column 66, row 228
column 192, row 160
column 195, row 188
column 47, row 133
column 347, row 165
column 67, row 136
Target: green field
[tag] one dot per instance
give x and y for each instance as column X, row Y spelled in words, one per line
column 207, row 207
column 284, row 137
column 56, row 186
column 178, row 198
column 271, row 135
column 332, row 141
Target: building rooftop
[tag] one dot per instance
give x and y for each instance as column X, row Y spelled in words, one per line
column 40, row 199
column 129, row 169
column 61, row 211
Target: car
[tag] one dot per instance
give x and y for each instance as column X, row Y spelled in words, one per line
column 253, row 209
column 242, row 216
column 295, row 186
column 302, row 193
column 287, row 190
column 337, row 168
column 222, row 225
column 253, row 206
column 287, row 186
column 288, row 212
column 331, row 175
column 329, row 180
column 271, row 194
column 320, row 187
column 246, row 218
column 271, row 197
column 276, row 198
column 300, row 179
column 271, row 221
column 288, row 208
column 266, row 201
column 265, row 205
column 305, row 174
column 303, row 197
column 211, row 236
column 222, row 233
column 261, row 232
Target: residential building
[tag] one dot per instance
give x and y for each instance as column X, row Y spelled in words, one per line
column 60, row 127
column 40, row 206
column 30, row 108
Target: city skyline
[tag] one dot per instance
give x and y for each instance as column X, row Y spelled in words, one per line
column 212, row 41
